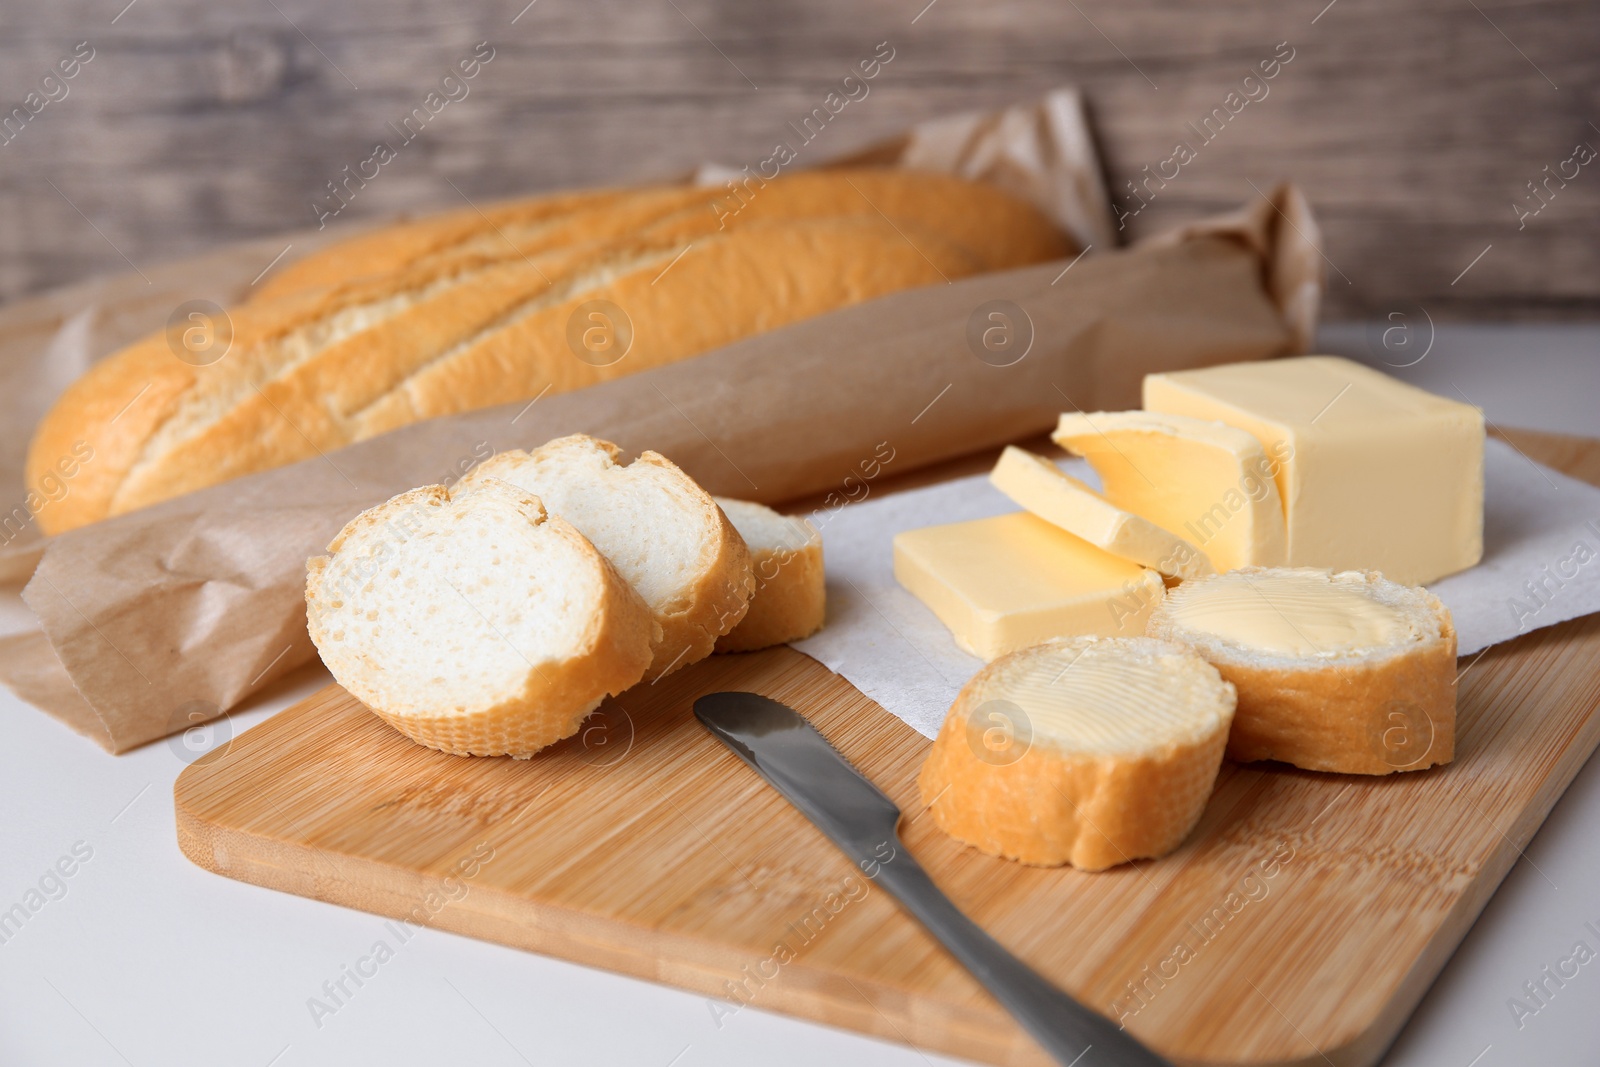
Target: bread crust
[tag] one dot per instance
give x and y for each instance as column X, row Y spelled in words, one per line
column 717, row 602
column 993, row 228
column 1051, row 806
column 1370, row 715
column 438, row 344
column 556, row 698
column 394, row 247
column 790, row 606
column 788, row 600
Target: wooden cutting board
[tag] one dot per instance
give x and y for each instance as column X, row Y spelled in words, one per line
column 1301, row 923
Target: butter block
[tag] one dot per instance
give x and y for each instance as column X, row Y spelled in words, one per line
column 1374, row 474
column 1062, row 500
column 1206, row 482
column 1010, row 582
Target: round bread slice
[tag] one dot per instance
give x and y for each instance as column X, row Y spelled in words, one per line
column 478, row 625
column 661, row 531
column 1089, row 751
column 789, row 601
column 1344, row 671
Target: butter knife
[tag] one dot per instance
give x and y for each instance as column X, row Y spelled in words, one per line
column 781, row 746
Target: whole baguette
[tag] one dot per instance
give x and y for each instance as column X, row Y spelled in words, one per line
column 449, row 317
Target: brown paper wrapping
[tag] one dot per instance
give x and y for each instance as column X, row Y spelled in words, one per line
column 152, row 621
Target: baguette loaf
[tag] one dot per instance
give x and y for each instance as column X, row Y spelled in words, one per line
column 662, row 532
column 1344, row 672
column 788, row 601
column 464, row 312
column 1089, row 751
column 478, row 625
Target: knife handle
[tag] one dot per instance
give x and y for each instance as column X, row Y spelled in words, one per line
column 1070, row 1032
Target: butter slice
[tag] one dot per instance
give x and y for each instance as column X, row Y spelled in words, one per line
column 1009, row 582
column 1203, row 481
column 1374, row 474
column 1061, row 500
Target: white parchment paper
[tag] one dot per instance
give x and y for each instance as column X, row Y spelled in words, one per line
column 1541, row 566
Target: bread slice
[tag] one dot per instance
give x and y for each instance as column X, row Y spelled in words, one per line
column 1062, row 500
column 479, row 625
column 662, row 532
column 788, row 601
column 1342, row 671
column 465, row 312
column 1203, row 481
column 1088, row 751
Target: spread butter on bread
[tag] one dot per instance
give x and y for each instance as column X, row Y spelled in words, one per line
column 1089, row 751
column 662, row 532
column 1336, row 671
column 479, row 625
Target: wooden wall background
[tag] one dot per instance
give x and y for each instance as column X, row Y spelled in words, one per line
column 1415, row 126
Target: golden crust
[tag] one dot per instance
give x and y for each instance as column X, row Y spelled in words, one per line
column 439, row 344
column 716, row 603
column 557, row 696
column 719, row 292
column 1394, row 714
column 789, row 601
column 387, row 249
column 1047, row 810
column 992, row 227
column 1051, row 806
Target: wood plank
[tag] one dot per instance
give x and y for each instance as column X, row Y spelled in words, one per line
column 1313, row 910
column 1414, row 127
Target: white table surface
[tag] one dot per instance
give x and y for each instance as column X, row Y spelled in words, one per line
column 144, row 959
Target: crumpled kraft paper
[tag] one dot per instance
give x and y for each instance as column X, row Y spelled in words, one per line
column 161, row 618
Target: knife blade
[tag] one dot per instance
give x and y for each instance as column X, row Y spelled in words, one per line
column 784, row 748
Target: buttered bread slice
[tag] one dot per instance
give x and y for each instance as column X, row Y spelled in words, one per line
column 479, row 625
column 661, row 531
column 1091, row 751
column 1061, row 500
column 1206, row 482
column 1338, row 671
column 787, row 601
